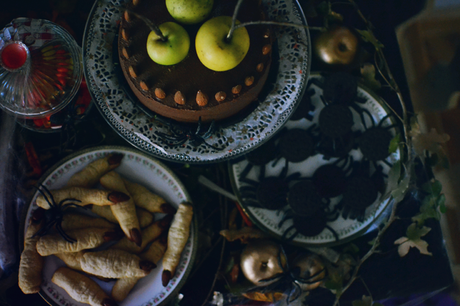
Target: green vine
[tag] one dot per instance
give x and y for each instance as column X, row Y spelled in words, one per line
column 413, row 146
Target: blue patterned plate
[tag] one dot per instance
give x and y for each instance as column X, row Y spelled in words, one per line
column 139, row 128
column 344, row 228
column 140, row 168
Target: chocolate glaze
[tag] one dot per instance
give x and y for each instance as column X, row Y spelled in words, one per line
column 190, row 76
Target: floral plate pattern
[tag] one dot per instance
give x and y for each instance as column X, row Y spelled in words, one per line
column 142, row 130
column 345, row 228
column 137, row 167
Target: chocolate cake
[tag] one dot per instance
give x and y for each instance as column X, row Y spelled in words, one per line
column 206, row 94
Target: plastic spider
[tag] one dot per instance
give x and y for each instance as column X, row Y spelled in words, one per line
column 269, row 192
column 53, row 216
column 180, row 134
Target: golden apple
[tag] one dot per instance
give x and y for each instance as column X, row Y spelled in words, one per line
column 260, row 260
column 336, row 46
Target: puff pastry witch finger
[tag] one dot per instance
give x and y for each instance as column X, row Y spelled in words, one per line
column 125, row 212
column 148, row 200
column 31, row 263
column 87, row 238
column 177, row 239
column 154, row 253
column 82, row 197
column 149, row 234
column 81, row 288
column 72, row 221
column 115, row 264
column 145, row 217
column 90, row 175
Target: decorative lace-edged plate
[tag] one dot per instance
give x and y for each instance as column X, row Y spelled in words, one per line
column 140, row 168
column 346, row 229
column 143, row 131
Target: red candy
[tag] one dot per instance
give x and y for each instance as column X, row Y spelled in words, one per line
column 14, row 56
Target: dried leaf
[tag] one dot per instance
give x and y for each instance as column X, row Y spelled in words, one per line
column 368, row 74
column 431, row 141
column 243, row 234
column 413, row 240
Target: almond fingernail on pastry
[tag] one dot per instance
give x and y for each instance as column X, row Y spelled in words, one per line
column 149, row 234
column 148, row 200
column 81, row 288
column 115, row 264
column 72, row 221
column 90, row 175
column 178, row 234
column 154, row 253
column 145, row 217
column 82, row 197
column 125, row 212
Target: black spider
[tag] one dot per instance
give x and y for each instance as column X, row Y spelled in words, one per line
column 53, row 216
column 362, row 189
column 330, row 180
column 374, row 142
column 180, row 134
column 334, row 124
column 309, row 226
column 295, row 145
column 289, row 280
column 309, row 199
column 341, row 88
column 269, row 192
column 259, row 157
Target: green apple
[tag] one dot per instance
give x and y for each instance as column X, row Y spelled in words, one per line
column 173, row 49
column 189, row 11
column 213, row 48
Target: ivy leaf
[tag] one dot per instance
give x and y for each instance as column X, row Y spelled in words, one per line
column 414, row 232
column 413, row 240
column 365, row 301
column 394, row 143
column 368, row 74
column 369, row 37
column 427, row 211
column 399, row 193
column 433, row 187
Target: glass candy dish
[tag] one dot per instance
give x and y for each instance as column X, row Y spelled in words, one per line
column 40, row 68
